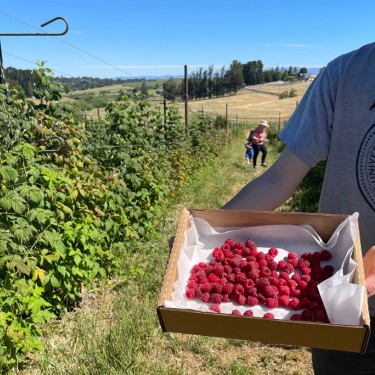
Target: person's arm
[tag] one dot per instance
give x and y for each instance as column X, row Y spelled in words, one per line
column 369, row 267
column 274, row 187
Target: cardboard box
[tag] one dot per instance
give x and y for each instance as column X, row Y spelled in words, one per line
column 309, row 334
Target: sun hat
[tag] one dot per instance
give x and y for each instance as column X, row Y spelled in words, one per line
column 264, row 123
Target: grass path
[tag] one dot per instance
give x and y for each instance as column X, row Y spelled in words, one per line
column 117, row 332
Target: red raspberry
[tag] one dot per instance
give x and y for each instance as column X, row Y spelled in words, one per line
column 263, row 281
column 201, row 274
column 281, row 282
column 237, row 251
column 253, row 291
column 249, row 243
column 236, row 261
column 241, row 299
column 246, row 252
column 249, row 283
column 213, row 278
column 216, row 297
column 228, row 269
column 192, row 284
column 216, row 288
column 273, row 252
column 268, row 316
column 236, row 312
column 238, row 289
column 262, row 263
column 253, row 274
column 254, row 251
column 306, row 271
column 228, row 254
column 325, row 255
column 206, row 287
column 248, row 313
column 321, row 316
column 270, row 291
column 289, row 268
column 215, row 308
column 284, row 300
column 284, row 290
column 218, row 254
column 273, row 280
column 231, row 277
column 264, row 272
column 306, row 278
column 252, row 301
column 307, row 315
column 302, row 285
column 261, row 256
column 284, row 275
column 240, row 278
column 225, row 247
column 329, row 269
column 272, row 265
column 292, row 255
column 218, row 270
column 304, row 302
column 307, row 256
column 261, row 298
column 294, row 304
column 223, row 280
column 312, row 293
column 281, row 264
column 205, row 297
column 228, row 288
column 293, row 262
column 314, row 305
column 295, row 292
column 296, row 277
column 191, row 293
column 296, row 317
column 272, row 303
column 253, row 265
column 312, row 284
column 291, row 283
column 239, row 245
column 196, row 268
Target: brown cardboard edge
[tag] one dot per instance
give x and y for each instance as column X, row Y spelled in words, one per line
column 324, row 224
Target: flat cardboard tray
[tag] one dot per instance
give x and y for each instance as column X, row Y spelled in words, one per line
column 285, row 332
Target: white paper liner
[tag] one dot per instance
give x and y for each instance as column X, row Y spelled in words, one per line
column 342, row 298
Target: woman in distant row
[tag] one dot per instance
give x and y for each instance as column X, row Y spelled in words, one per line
column 258, row 137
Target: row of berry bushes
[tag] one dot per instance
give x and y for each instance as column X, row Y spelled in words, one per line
column 74, row 195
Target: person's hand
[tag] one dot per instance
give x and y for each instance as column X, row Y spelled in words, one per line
column 369, row 267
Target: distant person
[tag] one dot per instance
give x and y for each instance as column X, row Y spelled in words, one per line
column 249, row 153
column 258, row 138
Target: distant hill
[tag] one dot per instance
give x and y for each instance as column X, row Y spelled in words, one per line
column 149, row 78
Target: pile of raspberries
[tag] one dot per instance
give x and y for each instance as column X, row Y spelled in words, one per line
column 241, row 274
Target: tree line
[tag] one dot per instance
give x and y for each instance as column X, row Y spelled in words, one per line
column 203, row 83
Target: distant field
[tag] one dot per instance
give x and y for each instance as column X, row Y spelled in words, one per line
column 250, row 103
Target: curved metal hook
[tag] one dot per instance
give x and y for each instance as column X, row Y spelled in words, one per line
column 42, row 25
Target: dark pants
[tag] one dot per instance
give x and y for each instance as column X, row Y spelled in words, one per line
column 331, row 362
column 257, row 149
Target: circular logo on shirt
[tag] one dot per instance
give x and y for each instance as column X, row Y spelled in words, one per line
column 366, row 167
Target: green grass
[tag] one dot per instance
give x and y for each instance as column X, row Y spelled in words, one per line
column 116, row 331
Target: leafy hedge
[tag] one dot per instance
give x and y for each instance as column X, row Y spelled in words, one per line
column 75, row 195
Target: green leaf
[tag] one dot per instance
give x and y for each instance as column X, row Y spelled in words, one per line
column 8, row 174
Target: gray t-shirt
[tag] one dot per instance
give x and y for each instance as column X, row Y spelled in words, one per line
column 335, row 120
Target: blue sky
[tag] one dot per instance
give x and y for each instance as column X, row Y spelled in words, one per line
column 146, row 37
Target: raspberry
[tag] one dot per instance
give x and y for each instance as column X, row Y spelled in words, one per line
column 307, row 315
column 216, row 297
column 253, row 291
column 249, row 283
column 284, row 290
column 284, row 300
column 228, row 254
column 213, row 278
column 264, row 272
column 205, row 297
column 253, row 265
column 325, row 255
column 218, row 254
column 306, row 256
column 241, row 299
column 237, row 251
column 291, row 283
column 294, row 304
column 248, row 313
column 261, row 298
column 216, row 288
column 263, row 281
column 273, row 252
column 201, row 274
column 302, row 285
column 272, row 303
column 230, row 277
column 306, row 278
column 239, row 245
column 253, row 274
column 306, row 270
column 296, row 277
column 296, row 317
column 284, row 275
column 293, row 262
column 273, row 280
column 304, row 302
column 250, row 244
column 270, row 291
column 329, row 269
column 240, row 278
column 192, row 284
column 228, row 269
column 260, row 256
column 252, row 301
column 215, row 308
column 225, row 247
column 228, row 288
column 289, row 268
column 225, row 298
column 292, row 255
column 281, row 264
column 238, row 289
column 243, row 264
column 191, row 293
column 263, row 263
column 321, row 316
column 236, row 260
column 236, row 312
column 196, row 268
column 206, row 287
column 218, row 270
column 223, row 280
column 272, row 265
column 312, row 293
column 294, row 292
column 246, row 252
column 268, row 316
